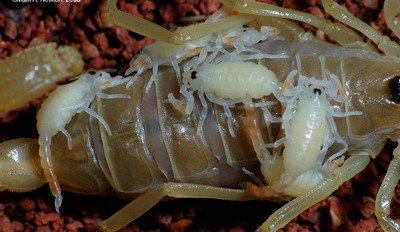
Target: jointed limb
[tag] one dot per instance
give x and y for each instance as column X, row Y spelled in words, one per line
column 383, row 42
column 178, row 190
column 391, row 9
column 344, row 35
column 385, row 194
column 178, row 37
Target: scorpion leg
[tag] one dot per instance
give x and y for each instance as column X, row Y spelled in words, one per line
column 391, row 8
column 352, row 166
column 383, row 42
column 178, row 190
column 385, row 194
column 291, row 31
column 178, row 37
column 344, row 35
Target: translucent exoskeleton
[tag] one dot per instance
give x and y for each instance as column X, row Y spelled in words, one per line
column 155, row 149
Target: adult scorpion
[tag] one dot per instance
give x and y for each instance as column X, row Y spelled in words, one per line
column 368, row 80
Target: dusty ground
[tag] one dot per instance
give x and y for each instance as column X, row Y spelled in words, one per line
column 102, row 46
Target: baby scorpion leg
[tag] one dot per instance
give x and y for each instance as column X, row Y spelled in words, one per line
column 352, row 166
column 383, row 42
column 344, row 35
column 178, row 190
column 385, row 194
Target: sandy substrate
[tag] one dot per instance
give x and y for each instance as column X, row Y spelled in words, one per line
column 350, row 208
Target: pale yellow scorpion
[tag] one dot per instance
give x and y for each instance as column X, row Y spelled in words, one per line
column 347, row 97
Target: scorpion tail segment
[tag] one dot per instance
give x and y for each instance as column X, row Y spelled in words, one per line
column 285, row 214
column 385, row 194
column 47, row 165
column 177, row 190
column 20, row 165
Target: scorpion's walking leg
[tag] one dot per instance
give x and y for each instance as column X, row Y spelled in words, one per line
column 391, row 8
column 292, row 31
column 352, row 166
column 385, row 194
column 383, row 42
column 341, row 33
column 178, row 37
column 178, row 190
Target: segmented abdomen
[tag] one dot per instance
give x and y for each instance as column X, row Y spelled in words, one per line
column 153, row 143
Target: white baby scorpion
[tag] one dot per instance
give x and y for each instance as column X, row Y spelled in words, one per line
column 237, row 35
column 310, row 131
column 226, row 84
column 164, row 53
column 58, row 109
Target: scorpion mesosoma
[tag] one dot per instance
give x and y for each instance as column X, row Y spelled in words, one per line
column 355, row 67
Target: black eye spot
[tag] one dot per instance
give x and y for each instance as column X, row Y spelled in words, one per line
column 394, row 85
column 317, row 91
column 395, row 94
column 394, row 82
column 140, row 51
column 92, row 72
column 193, row 75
